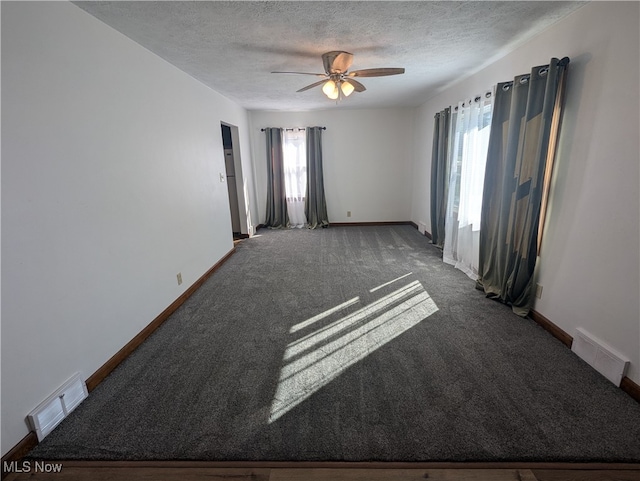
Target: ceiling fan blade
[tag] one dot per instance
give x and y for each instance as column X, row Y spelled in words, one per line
column 315, row 84
column 337, row 61
column 305, row 73
column 357, row 86
column 342, row 62
column 376, row 72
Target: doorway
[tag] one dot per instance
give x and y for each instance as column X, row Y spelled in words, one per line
column 238, row 203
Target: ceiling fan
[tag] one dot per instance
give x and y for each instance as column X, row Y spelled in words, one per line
column 338, row 80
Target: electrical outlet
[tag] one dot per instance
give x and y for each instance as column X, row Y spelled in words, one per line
column 348, row 213
column 179, row 276
column 538, row 291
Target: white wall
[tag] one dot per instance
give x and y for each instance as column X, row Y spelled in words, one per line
column 589, row 264
column 366, row 157
column 110, row 187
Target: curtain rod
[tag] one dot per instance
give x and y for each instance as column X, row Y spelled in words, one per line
column 299, row 128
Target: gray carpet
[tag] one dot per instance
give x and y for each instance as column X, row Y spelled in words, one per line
column 348, row 343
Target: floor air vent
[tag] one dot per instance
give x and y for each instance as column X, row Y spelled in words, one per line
column 601, row 357
column 56, row 407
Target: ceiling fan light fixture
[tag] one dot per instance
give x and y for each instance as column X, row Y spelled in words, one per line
column 335, row 93
column 347, row 88
column 329, row 88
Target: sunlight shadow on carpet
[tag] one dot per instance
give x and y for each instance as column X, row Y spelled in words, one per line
column 314, row 360
column 390, row 282
column 322, row 315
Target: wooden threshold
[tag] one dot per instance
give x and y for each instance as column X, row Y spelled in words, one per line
column 290, row 471
column 354, row 465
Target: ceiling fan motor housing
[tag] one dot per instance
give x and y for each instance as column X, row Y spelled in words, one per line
column 337, row 61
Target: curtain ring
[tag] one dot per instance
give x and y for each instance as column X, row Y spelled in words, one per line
column 524, row 80
column 506, row 86
column 477, row 99
column 487, row 95
column 543, row 71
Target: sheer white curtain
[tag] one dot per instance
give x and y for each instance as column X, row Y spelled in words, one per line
column 470, row 128
column 295, row 174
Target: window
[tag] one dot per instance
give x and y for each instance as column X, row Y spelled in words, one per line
column 295, row 174
column 470, row 126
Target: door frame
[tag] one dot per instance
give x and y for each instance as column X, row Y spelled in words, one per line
column 246, row 225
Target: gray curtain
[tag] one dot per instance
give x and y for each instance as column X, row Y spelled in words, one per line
column 315, row 204
column 524, row 130
column 439, row 175
column 277, row 216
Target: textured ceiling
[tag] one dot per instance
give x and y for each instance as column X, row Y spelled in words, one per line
column 233, row 46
